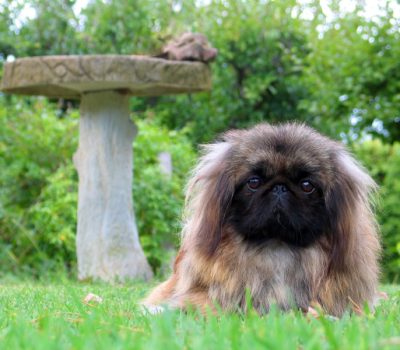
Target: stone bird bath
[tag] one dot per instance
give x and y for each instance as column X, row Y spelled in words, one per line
column 107, row 239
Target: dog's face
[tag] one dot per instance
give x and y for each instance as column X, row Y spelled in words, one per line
column 281, row 186
column 281, row 197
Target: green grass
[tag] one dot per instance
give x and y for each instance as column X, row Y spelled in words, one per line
column 40, row 315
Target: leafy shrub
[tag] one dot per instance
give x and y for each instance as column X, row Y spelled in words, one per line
column 383, row 162
column 51, row 220
column 158, row 197
column 35, row 148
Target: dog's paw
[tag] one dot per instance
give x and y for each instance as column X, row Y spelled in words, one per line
column 379, row 297
column 152, row 309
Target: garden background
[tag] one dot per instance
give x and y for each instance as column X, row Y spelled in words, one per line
column 331, row 66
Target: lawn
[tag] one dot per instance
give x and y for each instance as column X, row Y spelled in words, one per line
column 52, row 315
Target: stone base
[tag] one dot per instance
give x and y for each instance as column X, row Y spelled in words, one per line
column 107, row 239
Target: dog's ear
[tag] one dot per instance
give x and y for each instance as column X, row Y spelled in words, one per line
column 209, row 196
column 348, row 201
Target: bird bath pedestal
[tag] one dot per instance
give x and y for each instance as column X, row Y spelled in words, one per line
column 107, row 239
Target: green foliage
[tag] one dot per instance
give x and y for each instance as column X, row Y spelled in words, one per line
column 125, row 26
column 37, row 186
column 383, row 161
column 52, row 316
column 50, row 31
column 158, row 197
column 51, row 222
column 341, row 73
column 352, row 74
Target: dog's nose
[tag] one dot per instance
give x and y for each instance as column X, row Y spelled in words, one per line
column 279, row 189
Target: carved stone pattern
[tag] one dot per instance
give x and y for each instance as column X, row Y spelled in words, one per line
column 70, row 76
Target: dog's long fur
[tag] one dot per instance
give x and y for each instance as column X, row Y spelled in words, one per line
column 215, row 266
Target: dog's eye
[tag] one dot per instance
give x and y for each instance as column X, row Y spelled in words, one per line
column 307, row 186
column 253, row 183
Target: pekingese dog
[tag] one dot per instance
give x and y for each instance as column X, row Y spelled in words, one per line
column 281, row 213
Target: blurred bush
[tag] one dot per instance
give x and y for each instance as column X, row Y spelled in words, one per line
column 38, row 189
column 383, row 162
column 278, row 60
column 37, row 186
column 159, row 198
